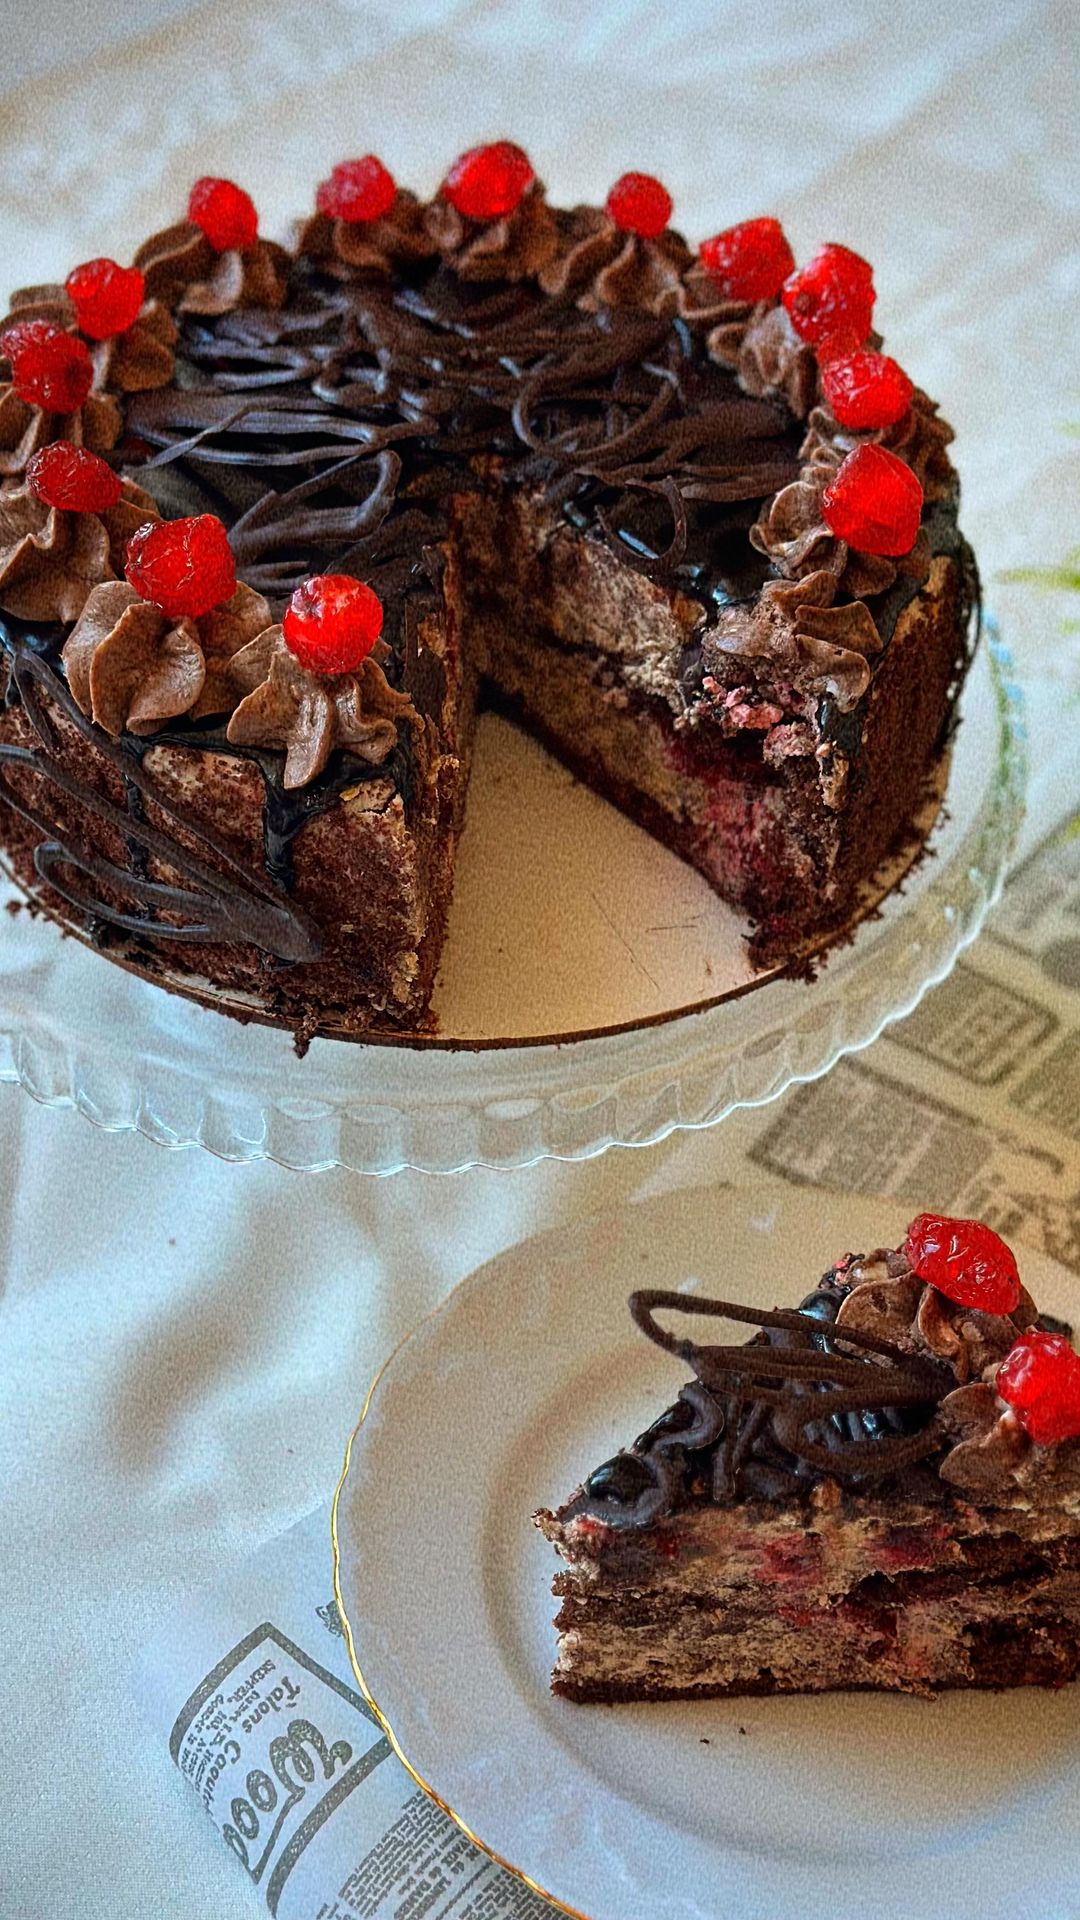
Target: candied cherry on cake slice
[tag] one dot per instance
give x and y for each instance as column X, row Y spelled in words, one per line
column 49, row 368
column 639, row 203
column 332, row 622
column 865, row 390
column 357, row 191
column 106, row 297
column 749, row 261
column 874, row 502
column 1040, row 1379
column 489, row 182
column 965, row 1260
column 69, row 477
column 225, row 213
column 831, row 298
column 185, row 567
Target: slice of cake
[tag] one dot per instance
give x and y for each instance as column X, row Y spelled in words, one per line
column 880, row 1489
column 272, row 520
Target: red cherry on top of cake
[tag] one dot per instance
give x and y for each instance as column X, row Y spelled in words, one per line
column 185, row 567
column 965, row 1260
column 639, row 203
column 357, row 191
column 106, row 297
column 49, row 368
column 225, row 213
column 874, row 502
column 749, row 261
column 72, row 479
column 1040, row 1379
column 866, row 390
column 490, row 182
column 831, row 298
column 331, row 623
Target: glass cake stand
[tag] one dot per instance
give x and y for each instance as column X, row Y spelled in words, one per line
column 595, row 993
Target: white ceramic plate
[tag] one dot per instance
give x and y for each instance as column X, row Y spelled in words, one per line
column 965, row 1808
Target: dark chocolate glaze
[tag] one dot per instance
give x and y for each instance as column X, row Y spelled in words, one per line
column 766, row 1419
column 227, row 904
column 333, row 435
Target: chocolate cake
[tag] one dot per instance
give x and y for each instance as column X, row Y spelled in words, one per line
column 881, row 1489
column 274, row 520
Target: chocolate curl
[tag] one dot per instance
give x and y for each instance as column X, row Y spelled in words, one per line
column 804, row 1373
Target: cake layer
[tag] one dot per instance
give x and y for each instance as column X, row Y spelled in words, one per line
column 714, row 1629
column 993, row 1646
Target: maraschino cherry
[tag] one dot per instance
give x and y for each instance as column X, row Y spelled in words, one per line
column 1040, row 1379
column 357, row 191
column 965, row 1260
column 874, row 502
column 332, row 622
column 225, row 213
column 749, row 261
column 106, row 297
column 49, row 368
column 639, row 203
column 490, row 182
column 72, row 479
column 185, row 567
column 866, row 390
column 831, row 298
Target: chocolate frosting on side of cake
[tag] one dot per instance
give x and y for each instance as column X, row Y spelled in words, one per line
column 219, row 903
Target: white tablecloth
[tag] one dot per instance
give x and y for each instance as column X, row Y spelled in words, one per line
column 182, row 1343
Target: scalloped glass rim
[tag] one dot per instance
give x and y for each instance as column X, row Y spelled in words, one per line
column 184, row 1078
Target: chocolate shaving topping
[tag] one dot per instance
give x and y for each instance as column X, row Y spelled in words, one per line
column 364, row 390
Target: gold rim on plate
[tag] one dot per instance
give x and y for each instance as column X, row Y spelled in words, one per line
column 432, row 1793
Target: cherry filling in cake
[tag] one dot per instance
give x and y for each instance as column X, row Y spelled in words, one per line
column 276, row 521
column 880, row 1489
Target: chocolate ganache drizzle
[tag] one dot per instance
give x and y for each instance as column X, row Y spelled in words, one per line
column 333, row 431
column 769, row 1418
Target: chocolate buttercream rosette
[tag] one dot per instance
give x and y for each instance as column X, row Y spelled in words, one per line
column 51, row 560
column 216, row 260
